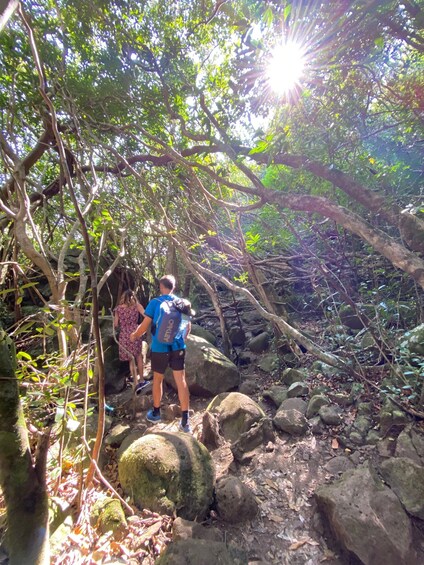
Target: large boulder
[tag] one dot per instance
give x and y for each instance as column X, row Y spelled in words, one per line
column 116, row 371
column 168, row 473
column 201, row 552
column 208, row 371
column 236, row 414
column 367, row 519
column 406, row 479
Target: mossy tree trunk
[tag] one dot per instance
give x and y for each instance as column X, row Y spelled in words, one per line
column 22, row 480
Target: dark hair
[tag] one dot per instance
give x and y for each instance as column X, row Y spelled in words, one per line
column 168, row 281
column 185, row 307
column 128, row 297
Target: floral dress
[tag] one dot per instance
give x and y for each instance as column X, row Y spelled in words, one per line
column 128, row 322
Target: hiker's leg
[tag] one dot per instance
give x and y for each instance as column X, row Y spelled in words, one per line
column 157, row 390
column 183, row 393
column 177, row 363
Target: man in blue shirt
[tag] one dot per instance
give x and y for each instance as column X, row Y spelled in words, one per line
column 163, row 354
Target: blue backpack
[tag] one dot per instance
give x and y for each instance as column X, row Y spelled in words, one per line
column 168, row 322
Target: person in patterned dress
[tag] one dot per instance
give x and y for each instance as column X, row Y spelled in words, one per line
column 126, row 318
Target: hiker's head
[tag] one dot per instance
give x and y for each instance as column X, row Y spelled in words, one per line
column 167, row 284
column 128, row 297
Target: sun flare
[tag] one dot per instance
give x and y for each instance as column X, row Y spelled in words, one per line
column 286, row 67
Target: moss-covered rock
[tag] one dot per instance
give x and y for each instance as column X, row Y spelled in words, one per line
column 414, row 340
column 107, row 516
column 168, row 472
column 315, row 404
column 236, row 413
column 291, row 376
column 406, row 479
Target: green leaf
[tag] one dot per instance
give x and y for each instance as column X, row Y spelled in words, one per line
column 379, row 42
column 24, row 355
column 260, row 147
column 287, row 11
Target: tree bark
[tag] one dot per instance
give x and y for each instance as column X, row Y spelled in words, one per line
column 22, row 481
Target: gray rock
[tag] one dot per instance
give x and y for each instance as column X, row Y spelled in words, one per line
column 116, row 371
column 246, row 358
column 235, row 501
column 291, row 376
column 185, row 529
column 117, row 435
column 339, row 464
column 314, row 405
column 297, row 389
column 277, row 394
column 260, row 343
column 391, row 416
column 202, row 332
column 294, row 404
column 249, row 387
column 237, row 336
column 268, row 363
column 362, row 424
column 291, row 421
column 317, row 427
column 201, row 552
column 356, row 438
column 208, row 371
column 330, row 415
column 350, row 319
column 260, row 433
column 367, row 519
column 410, row 444
column 406, row 479
column 236, row 414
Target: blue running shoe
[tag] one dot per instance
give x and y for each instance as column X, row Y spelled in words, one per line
column 186, row 428
column 152, row 417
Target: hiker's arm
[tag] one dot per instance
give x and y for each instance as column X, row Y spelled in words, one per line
column 115, row 320
column 188, row 330
column 140, row 308
column 142, row 328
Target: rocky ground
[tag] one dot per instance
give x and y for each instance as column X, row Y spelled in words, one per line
column 283, row 475
column 283, row 472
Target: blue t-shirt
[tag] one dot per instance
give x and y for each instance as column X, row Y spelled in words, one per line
column 152, row 311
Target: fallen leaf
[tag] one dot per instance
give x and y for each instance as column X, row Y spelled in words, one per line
column 275, row 518
column 297, row 544
column 271, row 484
column 302, row 542
column 334, row 443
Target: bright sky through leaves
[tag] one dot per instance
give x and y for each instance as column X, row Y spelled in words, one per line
column 286, row 67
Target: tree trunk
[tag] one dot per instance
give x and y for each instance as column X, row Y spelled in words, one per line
column 22, row 481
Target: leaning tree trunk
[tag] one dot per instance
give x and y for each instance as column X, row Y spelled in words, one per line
column 22, row 480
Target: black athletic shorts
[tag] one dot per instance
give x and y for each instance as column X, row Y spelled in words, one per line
column 160, row 361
